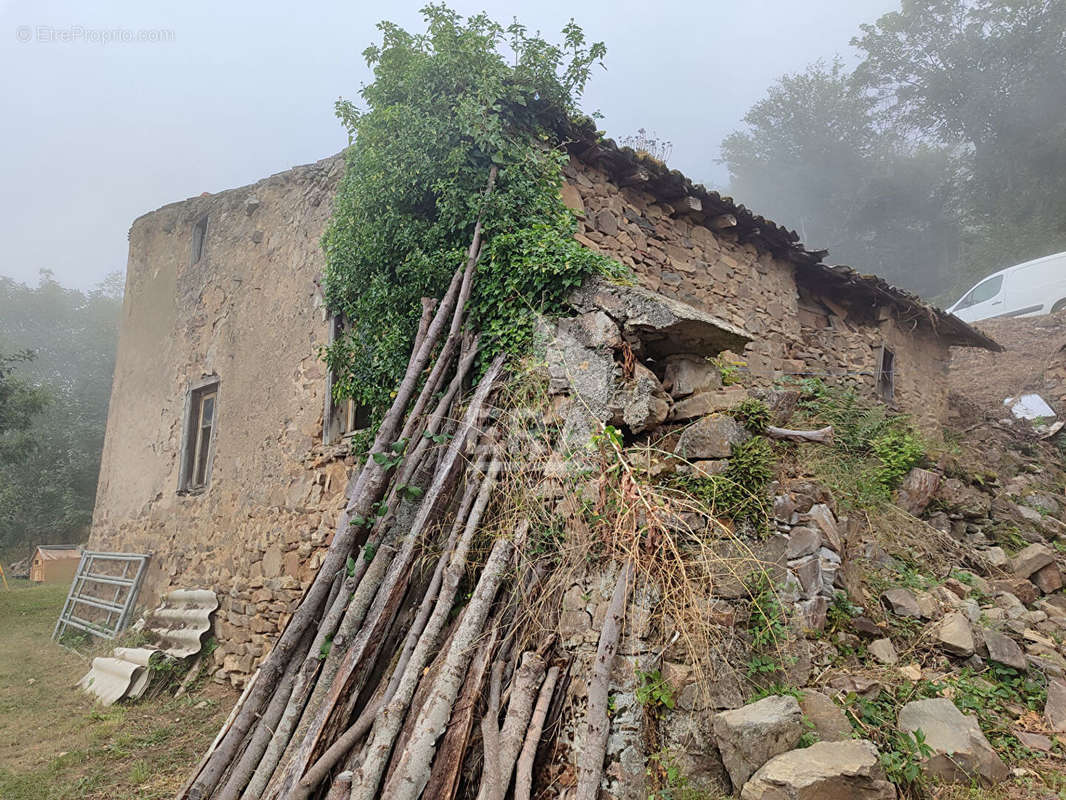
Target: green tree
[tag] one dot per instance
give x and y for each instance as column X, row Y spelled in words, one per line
column 445, row 106
column 19, row 404
column 814, row 157
column 985, row 78
column 47, row 490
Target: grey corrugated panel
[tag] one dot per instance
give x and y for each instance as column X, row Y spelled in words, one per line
column 176, row 629
column 181, row 620
column 110, row 679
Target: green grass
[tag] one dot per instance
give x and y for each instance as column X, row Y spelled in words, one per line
column 57, row 744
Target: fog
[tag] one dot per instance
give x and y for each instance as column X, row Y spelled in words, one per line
column 95, row 133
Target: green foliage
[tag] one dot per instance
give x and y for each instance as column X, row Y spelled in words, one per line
column 654, row 691
column 741, row 493
column 902, row 763
column 840, row 613
column 768, row 628
column 670, row 781
column 901, row 753
column 873, row 448
column 991, row 695
column 902, row 161
column 728, row 370
column 20, row 403
column 899, row 451
column 443, row 107
column 752, row 413
column 49, row 467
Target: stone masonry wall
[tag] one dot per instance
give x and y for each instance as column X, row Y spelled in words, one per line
column 250, row 311
column 751, row 288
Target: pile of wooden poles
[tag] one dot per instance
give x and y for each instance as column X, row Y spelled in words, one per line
column 373, row 688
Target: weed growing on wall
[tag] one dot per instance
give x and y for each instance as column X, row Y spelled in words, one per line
column 873, row 449
column 444, row 107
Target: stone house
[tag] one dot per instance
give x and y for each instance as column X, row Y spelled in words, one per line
column 225, row 457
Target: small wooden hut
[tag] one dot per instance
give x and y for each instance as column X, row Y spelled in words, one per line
column 54, row 563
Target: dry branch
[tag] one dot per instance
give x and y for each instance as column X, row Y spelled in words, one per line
column 821, row 436
column 391, row 716
column 523, row 782
column 590, row 768
column 413, row 768
column 444, row 778
column 524, row 685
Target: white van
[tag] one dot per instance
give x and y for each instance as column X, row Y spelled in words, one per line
column 1026, row 290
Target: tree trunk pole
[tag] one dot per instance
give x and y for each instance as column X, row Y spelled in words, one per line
column 590, row 766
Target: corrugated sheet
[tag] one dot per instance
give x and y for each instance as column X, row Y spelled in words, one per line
column 125, row 674
column 177, row 626
column 174, row 630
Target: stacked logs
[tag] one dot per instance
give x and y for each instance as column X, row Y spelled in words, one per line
column 372, row 691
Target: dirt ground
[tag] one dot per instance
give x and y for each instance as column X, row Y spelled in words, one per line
column 55, row 743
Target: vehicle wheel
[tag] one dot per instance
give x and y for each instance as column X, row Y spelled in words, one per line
column 1059, row 306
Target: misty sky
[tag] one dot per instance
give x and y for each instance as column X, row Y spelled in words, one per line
column 94, row 134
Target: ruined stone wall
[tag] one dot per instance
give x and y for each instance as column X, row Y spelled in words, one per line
column 794, row 333
column 842, row 345
column 691, row 263
column 249, row 311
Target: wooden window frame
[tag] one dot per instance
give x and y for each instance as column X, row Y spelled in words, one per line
column 886, row 375
column 340, row 420
column 197, row 449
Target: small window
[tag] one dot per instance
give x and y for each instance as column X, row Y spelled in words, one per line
column 199, row 236
column 197, row 446
column 344, row 416
column 886, row 378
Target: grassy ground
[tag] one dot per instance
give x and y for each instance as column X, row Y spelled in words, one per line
column 55, row 743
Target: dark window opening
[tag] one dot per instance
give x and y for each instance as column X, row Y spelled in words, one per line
column 886, row 378
column 197, row 446
column 199, row 236
column 343, row 416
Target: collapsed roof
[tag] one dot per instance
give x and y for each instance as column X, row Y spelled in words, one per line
column 628, row 168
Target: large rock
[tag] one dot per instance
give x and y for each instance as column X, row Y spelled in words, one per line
column 829, row 721
column 824, row 771
column 581, row 354
column 821, row 517
column 704, row 403
column 1055, row 707
column 644, row 402
column 750, row 736
column 687, row 373
column 1048, row 579
column 1032, row 558
column 961, row 753
column 884, row 651
column 1004, row 650
column 803, row 542
column 659, row 326
column 711, row 437
column 917, row 490
column 955, row 636
column 902, row 603
column 954, row 495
